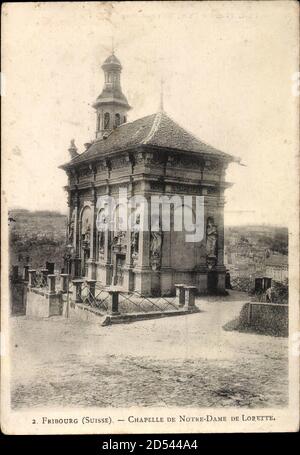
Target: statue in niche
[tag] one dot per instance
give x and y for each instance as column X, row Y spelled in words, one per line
column 119, row 235
column 211, row 242
column 101, row 226
column 135, row 235
column 86, row 235
column 71, row 228
column 156, row 238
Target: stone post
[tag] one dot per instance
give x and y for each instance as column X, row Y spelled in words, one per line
column 78, row 289
column 190, row 292
column 32, row 278
column 113, row 303
column 92, row 258
column 143, row 272
column 51, row 283
column 64, row 282
column 180, row 294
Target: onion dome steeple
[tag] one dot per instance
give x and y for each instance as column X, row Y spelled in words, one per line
column 111, row 105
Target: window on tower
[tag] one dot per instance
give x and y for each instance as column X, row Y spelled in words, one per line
column 118, row 120
column 124, row 119
column 106, row 120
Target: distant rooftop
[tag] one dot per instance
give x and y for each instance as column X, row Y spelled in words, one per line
column 157, row 130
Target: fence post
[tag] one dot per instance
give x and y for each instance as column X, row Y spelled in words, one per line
column 78, row 288
column 190, row 292
column 249, row 313
column 51, row 283
column 64, row 282
column 32, row 278
column 180, row 294
column 113, row 303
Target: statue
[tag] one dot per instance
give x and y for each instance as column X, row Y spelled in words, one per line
column 73, row 149
column 86, row 234
column 211, row 243
column 135, row 236
column 101, row 225
column 155, row 247
column 211, row 237
column 71, row 228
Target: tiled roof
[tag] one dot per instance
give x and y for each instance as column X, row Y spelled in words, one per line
column 157, row 130
column 110, row 95
column 112, row 59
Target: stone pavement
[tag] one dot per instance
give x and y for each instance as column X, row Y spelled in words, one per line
column 180, row 361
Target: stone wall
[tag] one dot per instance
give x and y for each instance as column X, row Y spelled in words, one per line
column 43, row 304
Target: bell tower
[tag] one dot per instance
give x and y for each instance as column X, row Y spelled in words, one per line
column 111, row 105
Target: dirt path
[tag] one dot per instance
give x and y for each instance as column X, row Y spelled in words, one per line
column 181, row 361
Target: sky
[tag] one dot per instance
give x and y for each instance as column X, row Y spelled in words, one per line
column 227, row 70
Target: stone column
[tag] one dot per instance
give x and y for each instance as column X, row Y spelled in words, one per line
column 128, row 276
column 76, row 214
column 143, row 270
column 64, row 282
column 51, row 283
column 201, row 278
column 180, row 294
column 166, row 272
column 113, row 303
column 190, row 292
column 220, row 222
column 92, row 258
column 78, row 288
column 220, row 266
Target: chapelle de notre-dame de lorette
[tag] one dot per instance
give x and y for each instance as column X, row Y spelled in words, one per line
column 151, row 156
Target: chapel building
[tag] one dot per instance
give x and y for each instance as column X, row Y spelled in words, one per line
column 151, row 156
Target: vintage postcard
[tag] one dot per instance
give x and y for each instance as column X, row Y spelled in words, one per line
column 150, row 217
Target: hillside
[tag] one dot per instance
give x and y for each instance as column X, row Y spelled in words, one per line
column 36, row 237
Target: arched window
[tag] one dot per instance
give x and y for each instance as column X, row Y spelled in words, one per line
column 124, row 119
column 98, row 122
column 117, row 120
column 106, row 120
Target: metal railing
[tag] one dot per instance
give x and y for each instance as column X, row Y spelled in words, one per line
column 240, row 283
column 147, row 304
column 96, row 296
